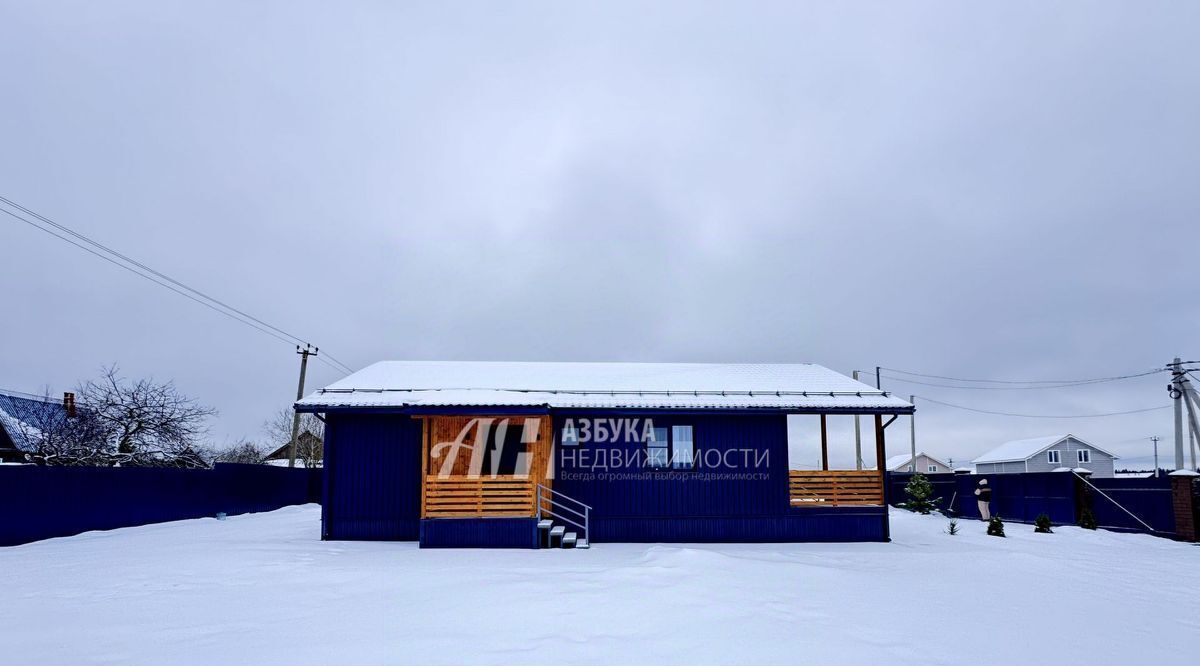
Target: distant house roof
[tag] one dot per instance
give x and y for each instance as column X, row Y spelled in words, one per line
column 21, row 414
column 306, row 440
column 1024, row 449
column 783, row 387
column 902, row 460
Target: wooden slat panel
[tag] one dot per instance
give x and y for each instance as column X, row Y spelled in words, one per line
column 459, row 497
column 440, row 429
column 835, row 488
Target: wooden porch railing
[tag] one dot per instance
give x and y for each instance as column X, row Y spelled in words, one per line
column 835, row 488
column 490, row 497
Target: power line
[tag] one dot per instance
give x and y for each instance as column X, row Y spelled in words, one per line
column 1065, row 382
column 135, row 272
column 1082, row 382
column 27, row 395
column 142, row 270
column 1041, row 416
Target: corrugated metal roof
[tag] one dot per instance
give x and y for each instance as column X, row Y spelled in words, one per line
column 793, row 386
column 21, row 416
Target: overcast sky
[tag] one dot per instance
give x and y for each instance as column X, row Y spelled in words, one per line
column 1006, row 192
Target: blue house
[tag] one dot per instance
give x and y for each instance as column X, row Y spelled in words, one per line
column 465, row 454
column 22, row 416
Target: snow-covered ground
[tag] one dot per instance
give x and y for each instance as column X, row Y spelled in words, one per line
column 262, row 588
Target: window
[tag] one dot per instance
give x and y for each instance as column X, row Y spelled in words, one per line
column 673, row 447
column 656, row 448
column 682, row 446
column 1084, row 455
column 1053, row 458
column 932, row 468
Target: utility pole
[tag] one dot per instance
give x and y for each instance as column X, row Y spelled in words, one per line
column 1192, row 401
column 304, row 354
column 857, row 436
column 1155, row 440
column 1176, row 393
column 880, row 387
column 1192, row 446
column 912, row 433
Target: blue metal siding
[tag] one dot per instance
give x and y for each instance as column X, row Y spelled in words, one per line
column 479, row 533
column 372, row 478
column 713, row 503
column 705, row 492
column 833, row 524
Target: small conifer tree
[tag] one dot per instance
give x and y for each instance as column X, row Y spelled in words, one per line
column 920, row 495
column 1042, row 524
column 952, row 528
column 1087, row 519
column 995, row 527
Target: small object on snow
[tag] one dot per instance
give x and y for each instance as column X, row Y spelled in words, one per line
column 952, row 528
column 220, row 515
column 1042, row 524
column 995, row 527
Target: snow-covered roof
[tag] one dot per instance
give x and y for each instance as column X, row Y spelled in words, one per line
column 21, row 415
column 790, row 386
column 902, row 460
column 1024, row 449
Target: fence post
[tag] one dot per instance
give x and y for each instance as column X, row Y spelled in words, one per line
column 1183, row 499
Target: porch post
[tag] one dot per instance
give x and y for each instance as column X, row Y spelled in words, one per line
column 879, row 458
column 426, row 423
column 824, row 446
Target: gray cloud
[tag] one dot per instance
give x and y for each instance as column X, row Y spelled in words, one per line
column 981, row 192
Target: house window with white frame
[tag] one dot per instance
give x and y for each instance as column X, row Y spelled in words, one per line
column 932, row 468
column 672, row 447
column 657, row 448
column 1084, row 455
column 1053, row 457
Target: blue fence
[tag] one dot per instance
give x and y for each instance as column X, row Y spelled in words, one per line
column 1015, row 497
column 1149, row 499
column 43, row 502
column 1022, row 497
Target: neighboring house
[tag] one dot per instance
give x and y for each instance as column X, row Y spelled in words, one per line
column 22, row 415
column 926, row 464
column 459, row 454
column 1046, row 454
column 308, row 447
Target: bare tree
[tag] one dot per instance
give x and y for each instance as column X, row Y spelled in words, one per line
column 244, row 452
column 309, row 449
column 116, row 422
column 145, row 418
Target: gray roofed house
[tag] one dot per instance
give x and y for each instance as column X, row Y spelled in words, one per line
column 1046, row 454
column 926, row 464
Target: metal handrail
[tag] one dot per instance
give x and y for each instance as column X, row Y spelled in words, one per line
column 564, row 508
column 548, row 494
